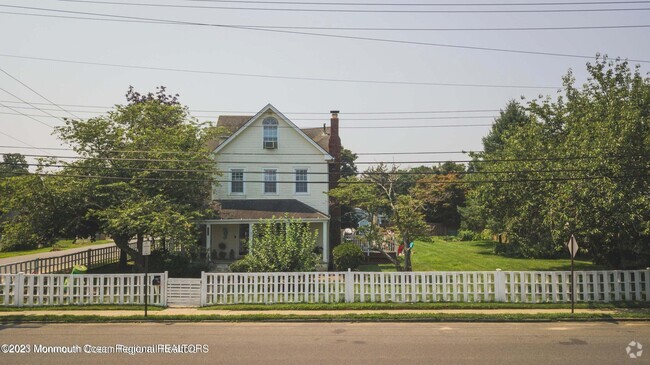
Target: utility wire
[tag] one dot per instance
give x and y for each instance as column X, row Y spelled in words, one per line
column 205, row 72
column 566, row 158
column 454, row 4
column 473, row 182
column 381, row 11
column 260, row 172
column 39, row 94
column 25, row 115
column 325, row 35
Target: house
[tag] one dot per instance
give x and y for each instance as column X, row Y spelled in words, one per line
column 270, row 167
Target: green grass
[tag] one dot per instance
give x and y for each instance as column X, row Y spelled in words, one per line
column 82, row 308
column 424, row 306
column 441, row 255
column 60, row 245
column 366, row 317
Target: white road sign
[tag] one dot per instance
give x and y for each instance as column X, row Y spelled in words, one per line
column 572, row 245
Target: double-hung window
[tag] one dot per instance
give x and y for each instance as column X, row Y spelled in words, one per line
column 270, row 181
column 301, row 181
column 270, row 133
column 237, row 181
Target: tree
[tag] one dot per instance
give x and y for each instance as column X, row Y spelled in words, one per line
column 441, row 195
column 574, row 165
column 146, row 167
column 280, row 245
column 13, row 164
column 348, row 169
column 375, row 192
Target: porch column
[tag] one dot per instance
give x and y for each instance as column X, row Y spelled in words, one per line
column 326, row 243
column 208, row 239
column 250, row 237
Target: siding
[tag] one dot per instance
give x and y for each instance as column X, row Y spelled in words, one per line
column 293, row 151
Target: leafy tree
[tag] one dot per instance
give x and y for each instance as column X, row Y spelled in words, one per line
column 375, row 192
column 280, row 245
column 13, row 164
column 441, row 194
column 348, row 169
column 147, row 169
column 574, row 165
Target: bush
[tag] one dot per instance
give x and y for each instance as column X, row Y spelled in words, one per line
column 347, row 256
column 178, row 265
column 465, row 235
column 240, row 266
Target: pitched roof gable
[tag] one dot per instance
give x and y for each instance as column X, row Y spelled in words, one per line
column 236, row 124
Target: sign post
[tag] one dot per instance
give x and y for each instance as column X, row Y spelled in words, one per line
column 572, row 245
column 146, row 251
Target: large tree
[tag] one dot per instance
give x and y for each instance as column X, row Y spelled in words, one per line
column 147, row 169
column 574, row 165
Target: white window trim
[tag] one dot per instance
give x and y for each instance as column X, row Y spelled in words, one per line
column 230, row 192
column 295, row 181
column 277, row 181
column 277, row 130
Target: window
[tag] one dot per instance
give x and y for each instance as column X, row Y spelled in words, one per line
column 270, row 133
column 301, row 181
column 270, row 181
column 236, row 181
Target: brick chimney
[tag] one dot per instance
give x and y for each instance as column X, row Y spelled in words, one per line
column 334, row 176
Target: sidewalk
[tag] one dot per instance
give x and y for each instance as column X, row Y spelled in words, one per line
column 181, row 311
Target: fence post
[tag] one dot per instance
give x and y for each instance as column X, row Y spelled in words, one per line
column 499, row 286
column 89, row 254
column 349, row 286
column 163, row 289
column 647, row 284
column 36, row 266
column 19, row 290
column 204, row 291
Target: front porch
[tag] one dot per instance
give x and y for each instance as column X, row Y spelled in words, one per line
column 228, row 241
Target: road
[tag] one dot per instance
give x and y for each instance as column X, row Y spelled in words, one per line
column 333, row 343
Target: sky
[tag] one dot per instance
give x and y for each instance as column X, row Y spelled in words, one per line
column 410, row 88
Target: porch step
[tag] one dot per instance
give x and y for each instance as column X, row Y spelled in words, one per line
column 183, row 292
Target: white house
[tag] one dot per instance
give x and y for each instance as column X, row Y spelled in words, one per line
column 269, row 167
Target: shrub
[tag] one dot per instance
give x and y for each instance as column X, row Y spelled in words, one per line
column 347, row 256
column 465, row 235
column 240, row 266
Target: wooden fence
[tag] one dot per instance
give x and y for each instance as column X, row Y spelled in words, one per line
column 91, row 258
column 327, row 287
column 21, row 290
column 471, row 286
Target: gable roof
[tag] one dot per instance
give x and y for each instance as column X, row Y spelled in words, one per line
column 235, row 124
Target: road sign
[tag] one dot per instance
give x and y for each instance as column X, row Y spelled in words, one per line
column 572, row 245
column 146, row 248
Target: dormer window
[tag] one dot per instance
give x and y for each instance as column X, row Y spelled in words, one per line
column 270, row 133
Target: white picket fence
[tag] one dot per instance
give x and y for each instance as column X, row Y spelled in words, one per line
column 325, row 287
column 21, row 290
column 401, row 287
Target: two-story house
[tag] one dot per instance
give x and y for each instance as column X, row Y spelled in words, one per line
column 270, row 168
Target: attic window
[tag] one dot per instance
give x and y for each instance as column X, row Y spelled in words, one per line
column 270, row 133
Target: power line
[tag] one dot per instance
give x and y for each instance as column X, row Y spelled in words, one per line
column 325, row 35
column 260, row 172
column 381, row 11
column 23, row 142
column 565, row 158
column 18, row 112
column 473, row 182
column 291, row 113
column 39, row 94
column 298, row 78
column 455, row 4
column 364, row 29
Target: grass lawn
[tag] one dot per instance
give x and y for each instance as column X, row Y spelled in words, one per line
column 60, row 245
column 441, row 255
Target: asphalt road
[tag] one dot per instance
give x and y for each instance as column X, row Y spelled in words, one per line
column 330, row 343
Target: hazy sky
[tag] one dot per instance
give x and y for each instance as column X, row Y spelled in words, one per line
column 93, row 88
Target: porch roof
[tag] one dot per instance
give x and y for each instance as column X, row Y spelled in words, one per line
column 254, row 209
